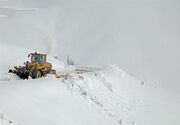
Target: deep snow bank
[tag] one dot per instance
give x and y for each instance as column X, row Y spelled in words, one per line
column 126, row 99
column 109, row 96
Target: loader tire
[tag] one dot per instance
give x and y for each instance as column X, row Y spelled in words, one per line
column 48, row 70
column 31, row 71
column 37, row 74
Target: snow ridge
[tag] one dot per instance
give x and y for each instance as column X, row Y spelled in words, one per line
column 101, row 91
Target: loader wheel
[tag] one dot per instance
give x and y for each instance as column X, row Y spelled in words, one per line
column 48, row 70
column 32, row 72
column 36, row 74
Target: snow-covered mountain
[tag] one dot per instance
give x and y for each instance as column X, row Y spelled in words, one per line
column 93, row 32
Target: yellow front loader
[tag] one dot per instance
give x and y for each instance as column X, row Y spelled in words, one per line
column 37, row 67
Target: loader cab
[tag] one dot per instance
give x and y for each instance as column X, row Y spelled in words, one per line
column 39, row 58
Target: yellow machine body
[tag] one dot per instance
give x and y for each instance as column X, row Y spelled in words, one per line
column 37, row 67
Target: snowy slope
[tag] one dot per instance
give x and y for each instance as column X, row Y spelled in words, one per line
column 127, row 100
column 109, row 96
